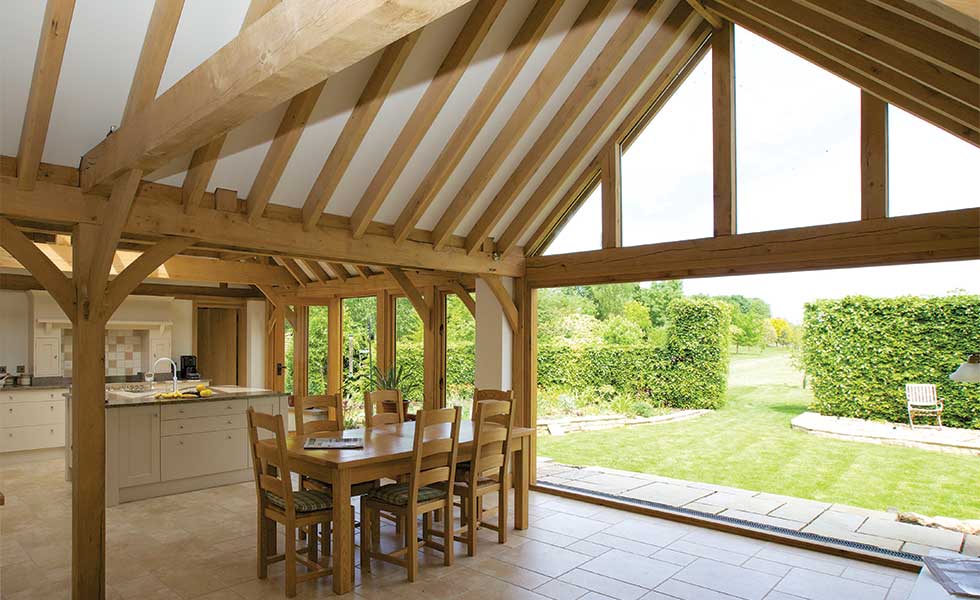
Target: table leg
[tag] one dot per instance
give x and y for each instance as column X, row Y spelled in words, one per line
column 522, row 471
column 343, row 540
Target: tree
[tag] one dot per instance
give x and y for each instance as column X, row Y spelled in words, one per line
column 658, row 297
column 768, row 335
column 749, row 329
column 638, row 314
column 610, row 298
column 784, row 330
column 618, row 330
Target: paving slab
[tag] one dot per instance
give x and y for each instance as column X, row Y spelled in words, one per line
column 929, row 536
column 764, row 519
column 667, row 493
column 971, row 545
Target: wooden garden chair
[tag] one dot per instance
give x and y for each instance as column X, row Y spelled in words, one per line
column 922, row 400
column 433, row 463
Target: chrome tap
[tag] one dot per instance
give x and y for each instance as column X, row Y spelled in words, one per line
column 172, row 364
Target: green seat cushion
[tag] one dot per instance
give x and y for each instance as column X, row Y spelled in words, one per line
column 306, row 501
column 358, row 489
column 397, row 494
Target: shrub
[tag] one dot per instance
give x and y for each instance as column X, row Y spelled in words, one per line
column 860, row 352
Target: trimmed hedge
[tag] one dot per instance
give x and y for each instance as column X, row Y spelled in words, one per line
column 859, row 353
column 689, row 371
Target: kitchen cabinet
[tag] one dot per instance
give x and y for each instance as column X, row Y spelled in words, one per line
column 47, row 356
column 32, row 419
column 139, row 445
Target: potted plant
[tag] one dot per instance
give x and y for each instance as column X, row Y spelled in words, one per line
column 394, row 378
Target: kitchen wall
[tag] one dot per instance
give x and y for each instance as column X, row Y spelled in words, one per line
column 14, row 310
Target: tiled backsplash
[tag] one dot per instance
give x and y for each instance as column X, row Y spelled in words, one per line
column 123, row 351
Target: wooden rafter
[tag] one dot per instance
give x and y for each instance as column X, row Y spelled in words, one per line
column 363, row 271
column 281, row 150
column 960, row 18
column 422, row 305
column 503, row 298
column 338, row 271
column 40, row 266
column 157, row 212
column 183, row 268
column 468, row 301
column 319, row 274
column 153, row 56
column 708, row 16
column 574, row 105
column 205, row 158
column 360, row 120
column 294, row 269
column 493, row 91
column 451, row 70
column 554, row 71
column 723, row 128
column 44, row 83
column 141, row 268
column 897, row 89
column 299, row 43
column 639, row 86
column 930, row 237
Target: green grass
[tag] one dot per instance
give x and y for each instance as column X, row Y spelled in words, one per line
column 749, row 444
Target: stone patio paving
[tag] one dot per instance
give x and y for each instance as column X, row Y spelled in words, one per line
column 874, row 527
column 946, row 439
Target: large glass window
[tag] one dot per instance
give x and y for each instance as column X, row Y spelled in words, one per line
column 929, row 170
column 460, row 354
column 289, row 337
column 317, row 376
column 582, row 230
column 359, row 352
column 409, row 335
column 798, row 142
column 666, row 169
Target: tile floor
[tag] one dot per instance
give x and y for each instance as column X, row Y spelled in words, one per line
column 201, row 545
column 874, row 527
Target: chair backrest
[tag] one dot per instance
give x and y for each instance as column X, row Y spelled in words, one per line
column 375, row 413
column 492, row 430
column 331, row 404
column 921, row 394
column 434, row 449
column 489, row 394
column 269, row 463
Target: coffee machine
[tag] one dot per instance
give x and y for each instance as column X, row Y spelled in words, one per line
column 188, row 368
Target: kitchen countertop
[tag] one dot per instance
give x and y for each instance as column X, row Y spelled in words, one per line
column 222, row 392
column 17, row 388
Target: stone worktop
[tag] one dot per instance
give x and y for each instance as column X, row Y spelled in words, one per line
column 115, row 399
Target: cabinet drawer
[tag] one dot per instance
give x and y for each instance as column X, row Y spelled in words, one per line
column 202, row 424
column 13, row 439
column 211, row 408
column 202, row 453
column 20, row 414
column 29, row 395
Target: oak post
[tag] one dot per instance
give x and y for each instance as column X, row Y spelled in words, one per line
column 385, row 330
column 723, row 118
column 301, row 351
column 874, row 157
column 612, row 205
column 335, row 335
column 434, row 349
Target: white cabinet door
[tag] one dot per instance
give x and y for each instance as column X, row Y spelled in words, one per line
column 160, row 347
column 139, row 445
column 47, row 356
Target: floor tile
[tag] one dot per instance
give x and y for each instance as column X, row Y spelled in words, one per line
column 687, row 591
column 572, row 525
column 543, row 558
column 929, row 536
column 667, row 493
column 648, row 532
column 818, row 586
column 637, row 570
column 595, row 582
column 727, row 579
column 559, row 590
column 588, row 548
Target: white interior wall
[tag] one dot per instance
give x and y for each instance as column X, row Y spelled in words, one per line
column 494, row 340
column 14, row 319
column 183, row 338
column 255, row 347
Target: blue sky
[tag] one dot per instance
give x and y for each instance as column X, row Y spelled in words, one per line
column 798, row 164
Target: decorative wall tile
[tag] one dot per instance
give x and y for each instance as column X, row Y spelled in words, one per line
column 123, row 352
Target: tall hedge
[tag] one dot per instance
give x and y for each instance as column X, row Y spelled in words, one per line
column 690, row 370
column 859, row 353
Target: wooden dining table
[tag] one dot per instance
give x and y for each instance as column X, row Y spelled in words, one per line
column 387, row 453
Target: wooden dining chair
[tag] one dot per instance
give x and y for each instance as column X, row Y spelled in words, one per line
column 276, row 501
column 488, row 471
column 434, row 453
column 490, row 394
column 329, row 417
column 375, row 413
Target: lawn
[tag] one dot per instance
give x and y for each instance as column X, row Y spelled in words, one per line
column 749, row 444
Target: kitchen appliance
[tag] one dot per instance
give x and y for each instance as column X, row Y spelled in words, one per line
column 188, row 368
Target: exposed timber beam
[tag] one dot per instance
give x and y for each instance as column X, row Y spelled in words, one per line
column 294, row 269
column 891, row 86
column 723, row 128
column 578, row 100
column 363, row 271
column 205, row 158
column 930, row 237
column 361, row 118
column 461, row 292
column 279, row 302
column 10, row 281
column 504, row 299
column 294, row 46
column 874, row 157
column 422, row 305
column 315, row 293
column 633, row 95
column 544, row 86
column 141, row 268
column 612, row 201
column 40, row 266
column 318, row 272
column 44, row 84
column 157, row 212
column 451, row 70
column 510, row 65
column 180, row 268
column 338, row 271
column 153, row 56
column 708, row 16
column 281, row 150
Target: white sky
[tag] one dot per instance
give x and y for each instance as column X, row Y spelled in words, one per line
column 798, row 164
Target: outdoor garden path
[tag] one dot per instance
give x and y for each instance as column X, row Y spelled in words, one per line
column 840, row 521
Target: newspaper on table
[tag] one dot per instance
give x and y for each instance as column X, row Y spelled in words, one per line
column 959, row 575
column 347, row 443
